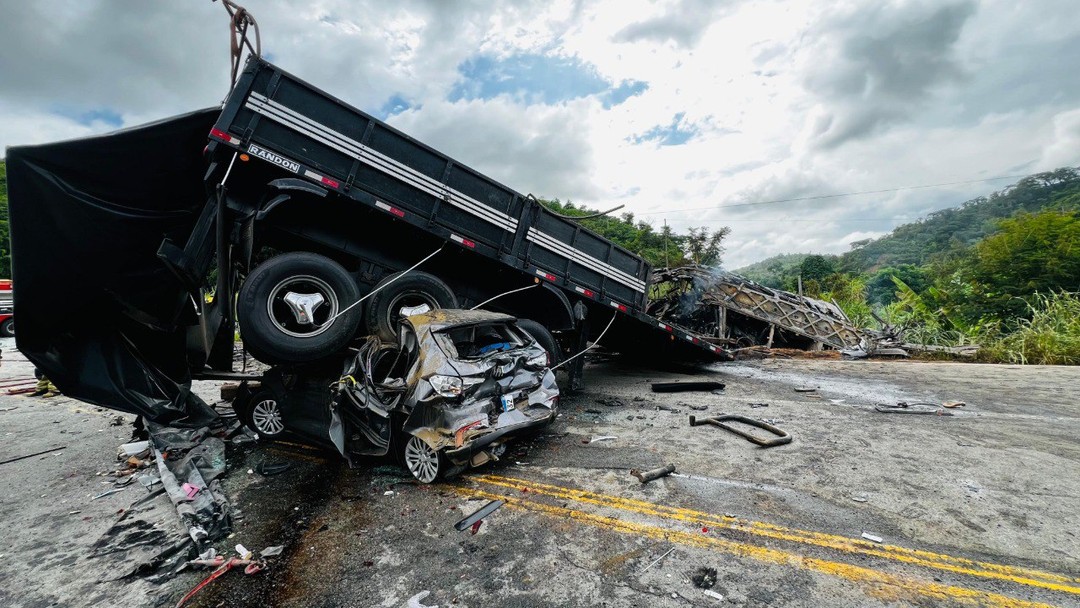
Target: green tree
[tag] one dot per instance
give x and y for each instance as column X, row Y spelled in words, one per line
column 881, row 290
column 705, row 248
column 816, row 268
column 1031, row 254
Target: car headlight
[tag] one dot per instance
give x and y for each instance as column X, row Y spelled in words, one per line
column 452, row 386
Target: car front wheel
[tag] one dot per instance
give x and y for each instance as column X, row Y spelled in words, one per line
column 424, row 462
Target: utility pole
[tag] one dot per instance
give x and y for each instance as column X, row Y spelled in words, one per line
column 667, row 264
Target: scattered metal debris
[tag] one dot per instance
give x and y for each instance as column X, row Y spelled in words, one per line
column 647, row 476
column 478, row 515
column 18, row 458
column 755, row 406
column 682, row 387
column 272, row 551
column 414, row 601
column 859, row 497
column 611, row 402
column 782, row 437
column 912, row 408
column 805, row 389
column 657, row 560
column 600, row 438
column 108, row 493
column 871, row 537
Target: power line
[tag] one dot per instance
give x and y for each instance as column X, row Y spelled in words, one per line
column 823, row 196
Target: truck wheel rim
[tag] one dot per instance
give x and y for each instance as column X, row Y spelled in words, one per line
column 266, row 416
column 407, row 299
column 285, row 319
column 423, row 462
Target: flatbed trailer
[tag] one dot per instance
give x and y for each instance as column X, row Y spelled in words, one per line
column 293, row 130
column 290, row 168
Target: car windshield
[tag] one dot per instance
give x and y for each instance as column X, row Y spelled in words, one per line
column 474, row 341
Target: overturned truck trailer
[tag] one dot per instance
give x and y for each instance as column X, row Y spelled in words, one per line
column 140, row 253
column 735, row 311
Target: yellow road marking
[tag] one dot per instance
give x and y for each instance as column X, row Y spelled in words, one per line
column 887, row 587
column 948, row 563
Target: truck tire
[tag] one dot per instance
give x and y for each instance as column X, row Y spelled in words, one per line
column 543, row 337
column 277, row 330
column 413, row 289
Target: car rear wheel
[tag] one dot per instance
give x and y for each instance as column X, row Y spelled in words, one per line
column 423, row 461
column 289, row 308
column 543, row 337
column 7, row 328
column 261, row 412
column 409, row 291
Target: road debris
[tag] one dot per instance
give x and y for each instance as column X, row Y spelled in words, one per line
column 611, row 402
column 952, row 404
column 222, row 566
column 414, row 601
column 859, row 497
column 272, row 551
column 682, row 387
column 134, row 448
column 477, row 516
column 600, row 438
column 805, row 389
column 782, row 437
column 108, row 493
column 912, row 408
column 266, row 469
column 647, row 476
column 755, row 406
column 871, row 537
column 18, row 458
column 704, row 577
column 657, row 560
column 716, row 596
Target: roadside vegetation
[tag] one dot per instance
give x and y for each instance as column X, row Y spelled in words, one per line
column 1001, row 271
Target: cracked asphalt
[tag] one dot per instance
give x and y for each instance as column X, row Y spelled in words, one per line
column 974, row 509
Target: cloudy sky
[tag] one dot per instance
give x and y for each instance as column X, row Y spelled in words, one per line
column 697, row 112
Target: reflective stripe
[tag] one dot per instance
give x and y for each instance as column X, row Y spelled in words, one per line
column 355, row 149
column 300, row 123
column 557, row 246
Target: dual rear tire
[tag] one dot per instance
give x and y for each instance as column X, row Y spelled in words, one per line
column 300, row 307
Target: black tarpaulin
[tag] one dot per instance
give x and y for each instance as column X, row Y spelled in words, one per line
column 97, row 310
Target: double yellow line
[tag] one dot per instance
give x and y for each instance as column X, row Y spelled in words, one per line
column 880, row 584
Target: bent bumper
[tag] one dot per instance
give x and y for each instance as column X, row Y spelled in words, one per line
column 465, row 453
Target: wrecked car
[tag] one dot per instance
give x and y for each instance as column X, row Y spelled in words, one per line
column 447, row 394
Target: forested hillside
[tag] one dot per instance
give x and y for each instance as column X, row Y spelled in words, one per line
column 948, row 229
column 1001, row 270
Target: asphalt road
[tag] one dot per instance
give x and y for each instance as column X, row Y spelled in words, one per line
column 974, row 509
